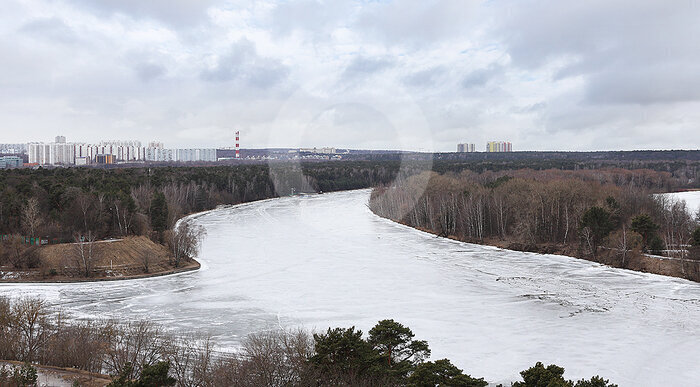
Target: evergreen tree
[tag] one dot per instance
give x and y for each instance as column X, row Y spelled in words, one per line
column 397, row 350
column 596, row 224
column 645, row 226
column 541, row 376
column 342, row 351
column 695, row 241
column 155, row 375
column 595, row 381
column 442, row 373
column 159, row 212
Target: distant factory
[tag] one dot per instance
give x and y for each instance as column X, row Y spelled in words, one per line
column 7, row 162
column 318, row 151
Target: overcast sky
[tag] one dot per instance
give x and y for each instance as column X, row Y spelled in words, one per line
column 415, row 74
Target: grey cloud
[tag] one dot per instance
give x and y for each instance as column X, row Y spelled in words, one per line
column 481, row 77
column 310, row 16
column 417, row 22
column 352, row 124
column 176, row 13
column 426, row 78
column 565, row 74
column 363, row 66
column 644, row 86
column 149, row 71
column 628, row 52
column 243, row 64
column 53, row 29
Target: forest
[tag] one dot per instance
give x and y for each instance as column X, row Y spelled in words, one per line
column 605, row 215
column 62, row 205
column 140, row 354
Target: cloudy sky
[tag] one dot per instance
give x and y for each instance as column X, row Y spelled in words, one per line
column 413, row 74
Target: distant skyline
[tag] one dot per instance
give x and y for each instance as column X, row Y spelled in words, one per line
column 419, row 75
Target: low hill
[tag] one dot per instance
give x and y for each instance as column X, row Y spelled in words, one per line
column 130, row 257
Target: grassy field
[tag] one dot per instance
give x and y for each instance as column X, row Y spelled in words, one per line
column 131, row 257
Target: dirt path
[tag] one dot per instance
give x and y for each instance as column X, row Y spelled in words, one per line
column 62, row 377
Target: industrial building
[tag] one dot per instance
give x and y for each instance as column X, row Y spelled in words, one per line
column 499, row 146
column 7, row 162
column 104, row 159
column 462, row 148
column 314, row 150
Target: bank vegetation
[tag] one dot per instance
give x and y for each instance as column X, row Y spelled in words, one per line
column 610, row 216
column 82, row 208
column 144, row 354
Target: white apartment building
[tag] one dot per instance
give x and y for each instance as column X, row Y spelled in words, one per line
column 160, row 154
column 466, row 148
column 55, row 153
column 62, row 153
column 188, row 155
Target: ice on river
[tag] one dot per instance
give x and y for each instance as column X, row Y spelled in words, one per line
column 692, row 199
column 326, row 260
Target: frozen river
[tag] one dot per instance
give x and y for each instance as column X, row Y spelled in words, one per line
column 691, row 198
column 326, row 260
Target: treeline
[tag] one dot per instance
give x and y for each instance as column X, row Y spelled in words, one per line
column 675, row 173
column 607, row 215
column 142, row 354
column 116, row 202
column 70, row 204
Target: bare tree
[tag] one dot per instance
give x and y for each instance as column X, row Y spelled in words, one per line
column 191, row 359
column 85, row 253
column 624, row 242
column 123, row 216
column 16, row 247
column 85, row 204
column 130, row 346
column 142, row 196
column 31, row 216
column 30, row 317
column 145, row 258
column 184, row 241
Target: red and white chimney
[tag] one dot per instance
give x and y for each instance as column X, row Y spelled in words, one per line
column 238, row 145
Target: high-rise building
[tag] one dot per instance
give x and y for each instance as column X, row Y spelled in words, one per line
column 499, row 146
column 189, row 155
column 462, row 148
column 62, row 153
column 54, row 153
column 160, row 154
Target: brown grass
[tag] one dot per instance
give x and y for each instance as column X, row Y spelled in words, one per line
column 120, row 259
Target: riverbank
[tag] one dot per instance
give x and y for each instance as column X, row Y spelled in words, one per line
column 673, row 267
column 606, row 216
column 61, row 377
column 128, row 258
